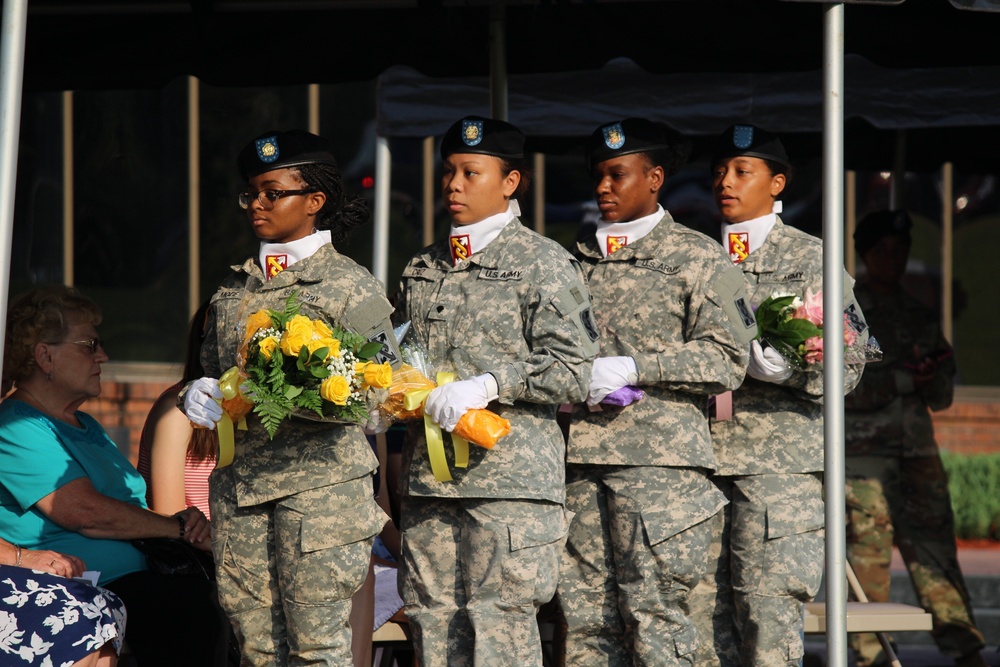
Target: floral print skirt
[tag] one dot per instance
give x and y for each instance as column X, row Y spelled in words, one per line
column 51, row 621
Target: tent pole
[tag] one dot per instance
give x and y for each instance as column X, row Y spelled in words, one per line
column 68, row 221
column 833, row 331
column 947, row 247
column 194, row 195
column 498, row 62
column 12, row 27
column 428, row 194
column 380, row 243
column 538, row 187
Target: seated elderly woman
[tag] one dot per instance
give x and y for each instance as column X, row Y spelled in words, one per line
column 45, row 615
column 65, row 486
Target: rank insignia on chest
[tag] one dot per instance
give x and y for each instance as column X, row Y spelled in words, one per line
column 274, row 264
column 616, row 243
column 739, row 246
column 461, row 248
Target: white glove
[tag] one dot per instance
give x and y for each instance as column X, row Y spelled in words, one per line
column 447, row 403
column 375, row 424
column 200, row 404
column 609, row 375
column 767, row 364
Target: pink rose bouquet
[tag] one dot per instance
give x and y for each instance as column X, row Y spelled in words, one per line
column 794, row 327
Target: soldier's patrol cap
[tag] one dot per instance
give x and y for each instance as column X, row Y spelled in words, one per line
column 874, row 226
column 752, row 141
column 483, row 136
column 280, row 150
column 624, row 137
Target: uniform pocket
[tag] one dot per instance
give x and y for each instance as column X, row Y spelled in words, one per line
column 530, row 571
column 334, row 550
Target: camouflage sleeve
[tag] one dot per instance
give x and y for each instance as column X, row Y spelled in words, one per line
column 714, row 355
column 562, row 337
column 369, row 314
column 809, row 385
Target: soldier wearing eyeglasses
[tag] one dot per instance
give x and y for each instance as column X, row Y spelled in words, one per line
column 294, row 516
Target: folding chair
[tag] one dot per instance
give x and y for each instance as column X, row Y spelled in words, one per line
column 865, row 616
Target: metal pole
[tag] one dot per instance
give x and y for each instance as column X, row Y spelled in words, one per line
column 851, row 219
column 947, row 245
column 539, row 190
column 312, row 102
column 12, row 27
column 194, row 196
column 428, row 187
column 833, row 331
column 498, row 62
column 68, row 220
column 380, row 244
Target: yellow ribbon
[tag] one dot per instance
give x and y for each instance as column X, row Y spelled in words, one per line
column 229, row 384
column 435, row 441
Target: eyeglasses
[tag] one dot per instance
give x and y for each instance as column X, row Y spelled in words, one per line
column 267, row 198
column 92, row 343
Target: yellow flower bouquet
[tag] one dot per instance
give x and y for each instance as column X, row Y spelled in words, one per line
column 291, row 364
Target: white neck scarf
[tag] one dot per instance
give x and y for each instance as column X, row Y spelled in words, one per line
column 466, row 240
column 276, row 257
column 742, row 238
column 613, row 236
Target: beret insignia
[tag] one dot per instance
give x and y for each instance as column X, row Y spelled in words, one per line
column 267, row 149
column 743, row 136
column 472, row 132
column 614, row 136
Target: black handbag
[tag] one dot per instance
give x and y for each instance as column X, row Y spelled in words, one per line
column 175, row 557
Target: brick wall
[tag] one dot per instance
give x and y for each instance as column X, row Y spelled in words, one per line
column 972, row 424
column 122, row 408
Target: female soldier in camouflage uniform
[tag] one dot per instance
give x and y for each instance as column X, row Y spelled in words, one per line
column 508, row 310
column 674, row 320
column 294, row 517
column 770, row 452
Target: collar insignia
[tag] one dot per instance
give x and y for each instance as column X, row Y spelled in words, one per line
column 616, row 243
column 275, row 264
column 739, row 246
column 461, row 248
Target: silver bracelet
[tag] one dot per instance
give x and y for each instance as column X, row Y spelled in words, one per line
column 18, row 561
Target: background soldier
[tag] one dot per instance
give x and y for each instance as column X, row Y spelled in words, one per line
column 896, row 484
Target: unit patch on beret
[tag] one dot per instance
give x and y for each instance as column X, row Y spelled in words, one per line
column 472, row 132
column 614, row 136
column 267, row 149
column 743, row 136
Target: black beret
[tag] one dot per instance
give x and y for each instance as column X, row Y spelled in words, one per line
column 280, row 150
column 882, row 223
column 751, row 141
column 483, row 136
column 624, row 137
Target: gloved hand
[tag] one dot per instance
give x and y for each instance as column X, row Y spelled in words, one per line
column 200, row 405
column 609, row 375
column 767, row 364
column 375, row 424
column 447, row 403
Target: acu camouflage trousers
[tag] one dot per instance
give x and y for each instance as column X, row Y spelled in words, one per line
column 287, row 569
column 907, row 500
column 474, row 573
column 636, row 548
column 766, row 560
